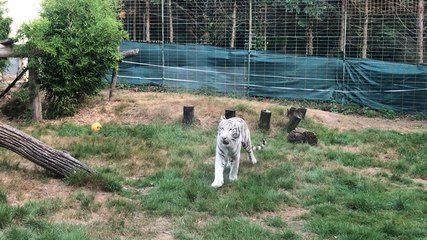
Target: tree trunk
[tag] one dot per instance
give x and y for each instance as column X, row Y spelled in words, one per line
column 134, row 33
column 113, row 81
column 365, row 30
column 58, row 162
column 295, row 116
column 343, row 32
column 229, row 113
column 233, row 25
column 420, row 31
column 264, row 119
column 147, row 21
column 36, row 104
column 265, row 25
column 310, row 37
column 170, row 21
column 188, row 117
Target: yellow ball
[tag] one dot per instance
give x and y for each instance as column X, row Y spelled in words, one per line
column 96, row 126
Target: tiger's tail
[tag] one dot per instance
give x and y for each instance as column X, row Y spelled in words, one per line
column 261, row 146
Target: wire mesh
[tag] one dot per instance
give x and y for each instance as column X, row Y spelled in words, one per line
column 241, row 47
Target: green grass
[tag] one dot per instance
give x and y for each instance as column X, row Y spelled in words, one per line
column 345, row 186
column 26, row 222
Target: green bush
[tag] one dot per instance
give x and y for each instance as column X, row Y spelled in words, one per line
column 19, row 106
column 76, row 43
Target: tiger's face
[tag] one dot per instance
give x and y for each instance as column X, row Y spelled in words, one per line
column 228, row 131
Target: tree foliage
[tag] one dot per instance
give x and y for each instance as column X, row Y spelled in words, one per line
column 76, row 43
column 4, row 30
column 288, row 26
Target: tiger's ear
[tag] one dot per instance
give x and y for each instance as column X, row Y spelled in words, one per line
column 222, row 118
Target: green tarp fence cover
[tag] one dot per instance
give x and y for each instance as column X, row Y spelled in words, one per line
column 372, row 83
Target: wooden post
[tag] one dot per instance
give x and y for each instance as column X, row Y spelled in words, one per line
column 113, row 81
column 264, row 119
column 36, row 104
column 125, row 54
column 188, row 115
column 229, row 113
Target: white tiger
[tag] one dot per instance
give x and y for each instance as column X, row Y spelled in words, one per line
column 233, row 133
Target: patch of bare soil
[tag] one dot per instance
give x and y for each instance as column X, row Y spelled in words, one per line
column 348, row 122
column 291, row 216
column 130, row 107
column 22, row 187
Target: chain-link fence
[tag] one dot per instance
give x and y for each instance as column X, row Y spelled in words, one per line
column 366, row 51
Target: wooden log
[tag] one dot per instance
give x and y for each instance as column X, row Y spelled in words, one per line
column 293, row 123
column 55, row 161
column 129, row 53
column 188, row 117
column 229, row 113
column 296, row 111
column 301, row 135
column 264, row 119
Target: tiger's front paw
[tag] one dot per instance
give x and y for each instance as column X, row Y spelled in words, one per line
column 217, row 183
column 253, row 160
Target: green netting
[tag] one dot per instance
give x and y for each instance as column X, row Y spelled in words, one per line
column 372, row 83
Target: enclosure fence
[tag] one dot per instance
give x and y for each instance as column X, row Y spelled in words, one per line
column 369, row 52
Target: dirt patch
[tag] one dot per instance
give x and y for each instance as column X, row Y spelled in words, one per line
column 129, row 107
column 22, row 187
column 291, row 216
column 347, row 122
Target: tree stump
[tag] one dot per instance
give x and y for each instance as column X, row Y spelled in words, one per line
column 229, row 113
column 301, row 135
column 296, row 111
column 58, row 162
column 295, row 115
column 188, row 115
column 264, row 119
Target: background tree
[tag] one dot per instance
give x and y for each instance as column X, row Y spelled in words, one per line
column 4, row 30
column 76, row 43
column 308, row 12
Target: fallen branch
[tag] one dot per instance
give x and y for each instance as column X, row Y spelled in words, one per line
column 56, row 161
column 14, row 82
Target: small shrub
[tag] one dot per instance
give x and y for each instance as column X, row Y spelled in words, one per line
column 18, row 106
column 387, row 113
